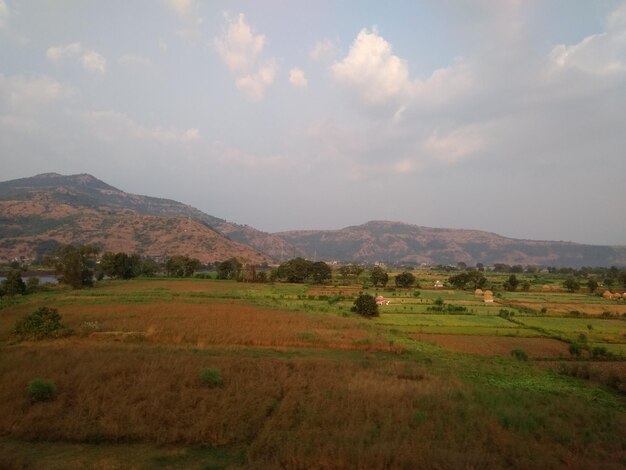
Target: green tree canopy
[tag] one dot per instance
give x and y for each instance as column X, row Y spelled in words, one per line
column 571, row 284
column 13, row 284
column 379, row 277
column 76, row 264
column 229, row 269
column 511, row 283
column 301, row 270
column 181, row 266
column 405, row 279
column 468, row 279
column 366, row 305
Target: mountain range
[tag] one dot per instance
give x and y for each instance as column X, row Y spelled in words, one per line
column 41, row 212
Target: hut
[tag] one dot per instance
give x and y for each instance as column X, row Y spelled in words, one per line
column 438, row 284
column 380, row 300
column 607, row 295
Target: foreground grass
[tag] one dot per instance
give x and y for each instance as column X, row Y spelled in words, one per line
column 301, row 388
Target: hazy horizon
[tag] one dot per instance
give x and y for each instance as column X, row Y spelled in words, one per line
column 507, row 117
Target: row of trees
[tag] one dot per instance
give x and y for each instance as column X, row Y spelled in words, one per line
column 301, row 270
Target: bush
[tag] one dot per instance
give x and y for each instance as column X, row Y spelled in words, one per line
column 519, row 354
column 42, row 323
column 366, row 305
column 575, row 349
column 41, row 390
column 211, row 377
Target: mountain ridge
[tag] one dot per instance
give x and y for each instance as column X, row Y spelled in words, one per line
column 37, row 211
column 398, row 242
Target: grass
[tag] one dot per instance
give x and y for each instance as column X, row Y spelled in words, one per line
column 304, row 384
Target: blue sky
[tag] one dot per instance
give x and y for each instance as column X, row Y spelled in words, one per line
column 506, row 116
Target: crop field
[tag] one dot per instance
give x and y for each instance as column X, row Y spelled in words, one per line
column 305, row 383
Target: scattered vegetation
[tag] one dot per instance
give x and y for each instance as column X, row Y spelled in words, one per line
column 211, row 377
column 41, row 390
column 42, row 323
column 366, row 306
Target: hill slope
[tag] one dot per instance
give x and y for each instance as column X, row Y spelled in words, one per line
column 87, row 191
column 396, row 242
column 38, row 213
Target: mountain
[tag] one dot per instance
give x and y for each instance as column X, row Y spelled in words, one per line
column 395, row 242
column 88, row 191
column 38, row 213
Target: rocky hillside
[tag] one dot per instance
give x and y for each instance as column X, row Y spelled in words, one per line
column 38, row 213
column 87, row 191
column 396, row 242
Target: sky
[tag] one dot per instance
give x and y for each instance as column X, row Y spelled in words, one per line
column 505, row 116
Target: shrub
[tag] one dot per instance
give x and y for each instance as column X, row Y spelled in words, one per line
column 211, row 377
column 41, row 390
column 519, row 354
column 365, row 305
column 42, row 323
column 575, row 349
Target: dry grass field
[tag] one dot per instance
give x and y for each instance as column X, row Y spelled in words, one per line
column 304, row 384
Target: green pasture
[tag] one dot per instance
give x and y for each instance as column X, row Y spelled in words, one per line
column 594, row 329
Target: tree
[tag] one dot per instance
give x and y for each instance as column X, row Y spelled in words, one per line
column 571, row 284
column 379, row 277
column 473, row 279
column 511, row 283
column 75, row 265
column 350, row 270
column 229, row 269
column 13, row 284
column 181, row 266
column 366, row 305
column 319, row 272
column 294, row 270
column 32, row 284
column 405, row 279
column 592, row 285
column 120, row 265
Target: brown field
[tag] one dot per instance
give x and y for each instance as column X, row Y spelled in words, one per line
column 300, row 390
column 221, row 323
column 496, row 345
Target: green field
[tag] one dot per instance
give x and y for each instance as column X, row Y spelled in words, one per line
column 305, row 383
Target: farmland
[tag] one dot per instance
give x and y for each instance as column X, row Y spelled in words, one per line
column 306, row 383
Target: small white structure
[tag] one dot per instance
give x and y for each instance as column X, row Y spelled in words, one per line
column 438, row 284
column 380, row 300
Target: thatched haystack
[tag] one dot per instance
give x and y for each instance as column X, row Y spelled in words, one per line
column 478, row 292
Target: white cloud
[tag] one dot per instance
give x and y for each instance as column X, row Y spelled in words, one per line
column 240, row 49
column 297, row 78
column 90, row 59
column 110, row 125
column 601, row 54
column 132, row 59
column 5, row 12
column 94, row 62
column 181, row 7
column 458, row 144
column 324, row 50
column 371, row 68
column 187, row 12
column 254, row 84
column 20, row 93
column 65, row 51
